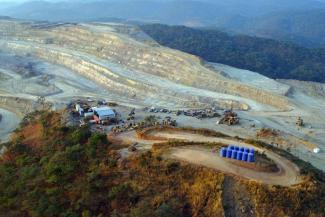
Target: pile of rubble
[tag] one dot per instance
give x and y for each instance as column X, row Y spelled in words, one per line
column 143, row 124
column 229, row 118
column 267, row 132
column 158, row 110
column 202, row 113
column 198, row 113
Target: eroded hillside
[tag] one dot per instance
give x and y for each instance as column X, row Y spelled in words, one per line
column 128, row 67
column 54, row 170
column 115, row 62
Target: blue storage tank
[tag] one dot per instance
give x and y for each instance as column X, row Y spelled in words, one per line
column 231, row 147
column 234, row 154
column 229, row 153
column 239, row 155
column 236, row 148
column 223, row 152
column 252, row 150
column 251, row 158
column 245, row 156
column 242, row 149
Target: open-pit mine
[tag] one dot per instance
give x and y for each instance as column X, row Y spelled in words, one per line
column 61, row 62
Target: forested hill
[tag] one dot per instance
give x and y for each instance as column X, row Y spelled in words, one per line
column 269, row 57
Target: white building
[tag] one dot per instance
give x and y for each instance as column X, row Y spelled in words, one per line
column 84, row 112
column 103, row 113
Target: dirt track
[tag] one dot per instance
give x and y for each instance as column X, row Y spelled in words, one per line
column 287, row 175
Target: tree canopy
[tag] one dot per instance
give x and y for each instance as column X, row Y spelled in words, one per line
column 274, row 59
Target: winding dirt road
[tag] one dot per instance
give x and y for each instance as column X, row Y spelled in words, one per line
column 287, row 175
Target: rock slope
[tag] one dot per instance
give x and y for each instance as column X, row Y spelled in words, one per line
column 124, row 64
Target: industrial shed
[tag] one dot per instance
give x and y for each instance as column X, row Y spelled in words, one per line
column 103, row 114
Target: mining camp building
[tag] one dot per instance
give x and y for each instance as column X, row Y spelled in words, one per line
column 103, row 114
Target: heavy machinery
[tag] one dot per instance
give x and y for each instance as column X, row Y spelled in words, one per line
column 229, row 118
column 131, row 115
column 300, row 122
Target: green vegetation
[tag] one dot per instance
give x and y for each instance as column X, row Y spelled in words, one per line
column 271, row 58
column 69, row 171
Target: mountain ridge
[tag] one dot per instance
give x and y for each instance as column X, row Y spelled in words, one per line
column 254, row 17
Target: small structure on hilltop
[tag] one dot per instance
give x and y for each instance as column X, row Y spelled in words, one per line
column 84, row 110
column 103, row 115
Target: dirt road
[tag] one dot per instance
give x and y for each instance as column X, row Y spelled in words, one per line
column 287, row 175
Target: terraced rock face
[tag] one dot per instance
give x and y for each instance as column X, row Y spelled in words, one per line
column 125, row 63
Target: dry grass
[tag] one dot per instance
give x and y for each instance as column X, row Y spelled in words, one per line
column 146, row 133
column 267, row 133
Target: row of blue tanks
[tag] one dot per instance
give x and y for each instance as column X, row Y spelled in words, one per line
column 238, row 153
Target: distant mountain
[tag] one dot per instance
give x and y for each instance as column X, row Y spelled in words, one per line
column 142, row 10
column 269, row 57
column 169, row 10
column 299, row 21
column 305, row 28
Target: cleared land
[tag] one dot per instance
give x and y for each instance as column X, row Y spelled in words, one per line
column 287, row 175
column 117, row 63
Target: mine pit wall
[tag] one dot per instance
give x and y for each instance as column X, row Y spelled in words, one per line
column 166, row 63
column 118, row 84
column 308, row 87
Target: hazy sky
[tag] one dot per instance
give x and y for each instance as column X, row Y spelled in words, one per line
column 13, row 0
column 19, row 1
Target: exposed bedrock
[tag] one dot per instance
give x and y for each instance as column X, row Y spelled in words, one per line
column 20, row 106
column 69, row 45
column 121, row 81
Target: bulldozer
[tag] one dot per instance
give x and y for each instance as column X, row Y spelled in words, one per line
column 230, row 118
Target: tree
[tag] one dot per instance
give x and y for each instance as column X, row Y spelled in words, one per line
column 274, row 59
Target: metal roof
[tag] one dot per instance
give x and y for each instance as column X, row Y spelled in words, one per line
column 104, row 111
